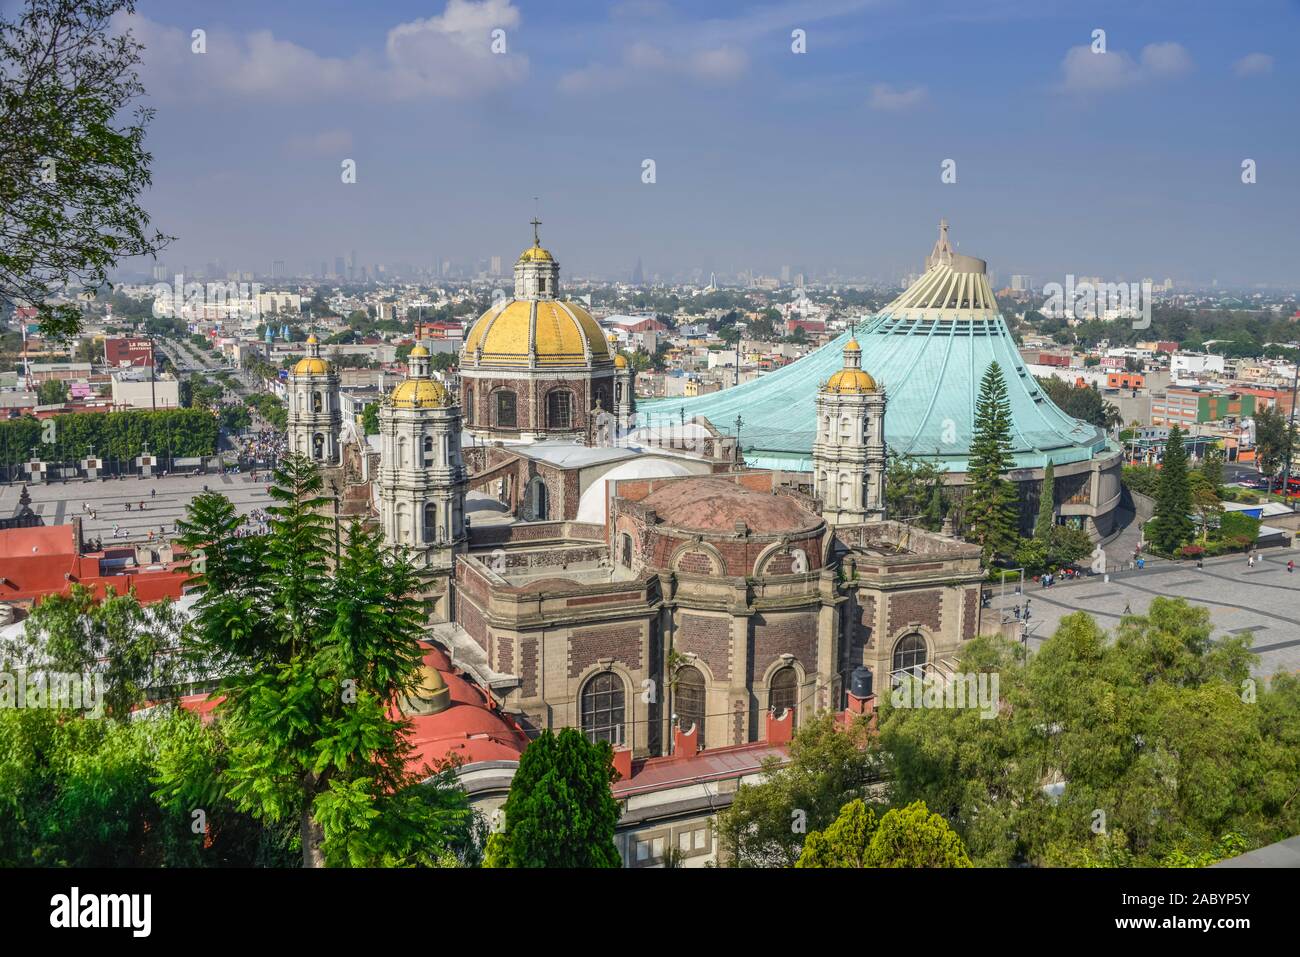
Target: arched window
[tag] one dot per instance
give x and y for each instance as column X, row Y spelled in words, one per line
column 430, row 522
column 690, row 703
column 315, row 402
column 625, row 550
column 783, row 695
column 602, row 708
column 559, row 409
column 401, row 452
column 467, row 399
column 428, row 451
column 909, row 656
column 507, row 416
column 318, row 446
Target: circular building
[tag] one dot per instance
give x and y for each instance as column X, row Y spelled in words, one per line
column 929, row 348
column 535, row 366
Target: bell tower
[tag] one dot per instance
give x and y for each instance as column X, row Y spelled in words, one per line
column 849, row 451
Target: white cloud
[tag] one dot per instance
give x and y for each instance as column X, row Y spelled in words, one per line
column 1254, row 64
column 642, row 60
column 1166, row 59
column 1083, row 71
column 886, row 97
column 723, row 63
column 449, row 55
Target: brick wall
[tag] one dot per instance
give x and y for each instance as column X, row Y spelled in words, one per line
column 710, row 638
column 924, row 607
column 588, row 646
column 775, row 635
column 970, row 613
column 863, row 636
column 505, row 654
column 528, row 666
column 471, row 619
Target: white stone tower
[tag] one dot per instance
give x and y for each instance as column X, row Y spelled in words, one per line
column 314, row 419
column 624, row 389
column 422, row 477
column 849, row 452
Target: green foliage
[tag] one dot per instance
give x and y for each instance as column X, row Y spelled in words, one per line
column 52, row 392
column 1081, row 401
column 316, row 662
column 845, row 842
column 829, row 766
column 270, row 408
column 114, row 435
column 1155, row 726
column 913, row 837
column 560, row 812
column 1144, row 479
column 141, row 650
column 1271, row 433
column 74, row 159
column 80, row 793
column 1172, row 525
column 914, row 490
column 370, row 418
column 1238, row 528
column 991, row 504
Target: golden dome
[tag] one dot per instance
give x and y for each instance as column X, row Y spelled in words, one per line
column 418, row 394
column 312, row 340
column 560, row 333
column 419, row 351
column 534, row 254
column 851, row 381
column 852, row 346
column 619, row 361
column 430, row 696
column 312, row 365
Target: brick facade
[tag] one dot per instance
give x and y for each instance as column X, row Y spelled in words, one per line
column 923, row 607
column 775, row 635
column 586, row 647
column 709, row 637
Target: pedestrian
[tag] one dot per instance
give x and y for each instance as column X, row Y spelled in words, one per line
column 128, row 506
column 142, row 506
column 1127, row 609
column 153, row 492
column 1290, row 566
column 1250, row 560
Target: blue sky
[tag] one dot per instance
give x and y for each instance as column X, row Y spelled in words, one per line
column 1123, row 164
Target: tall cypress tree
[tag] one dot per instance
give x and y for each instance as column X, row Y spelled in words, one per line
column 991, row 507
column 1046, row 505
column 1172, row 525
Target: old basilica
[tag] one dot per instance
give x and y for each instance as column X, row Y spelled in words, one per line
column 635, row 579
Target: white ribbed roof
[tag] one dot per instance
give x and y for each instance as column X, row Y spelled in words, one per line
column 954, row 287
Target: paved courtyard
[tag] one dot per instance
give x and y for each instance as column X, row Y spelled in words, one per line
column 59, row 503
column 1263, row 602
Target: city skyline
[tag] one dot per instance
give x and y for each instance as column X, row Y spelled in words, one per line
column 1122, row 163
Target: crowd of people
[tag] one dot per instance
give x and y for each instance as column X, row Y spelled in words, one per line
column 261, row 448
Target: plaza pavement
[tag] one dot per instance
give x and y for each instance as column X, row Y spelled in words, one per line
column 58, row 503
column 1263, row 602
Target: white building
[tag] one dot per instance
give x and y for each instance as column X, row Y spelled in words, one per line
column 134, row 390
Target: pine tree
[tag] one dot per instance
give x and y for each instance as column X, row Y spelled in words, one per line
column 1046, row 505
column 1172, row 525
column 315, row 663
column 560, row 811
column 991, row 505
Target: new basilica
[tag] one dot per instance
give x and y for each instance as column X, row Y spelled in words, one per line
column 635, row 579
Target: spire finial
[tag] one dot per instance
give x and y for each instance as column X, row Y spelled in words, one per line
column 537, row 241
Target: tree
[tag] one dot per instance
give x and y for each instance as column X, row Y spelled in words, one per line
column 914, row 490
column 1046, row 505
column 845, row 842
column 1271, row 432
column 560, row 811
column 1171, row 526
column 370, row 418
column 1212, row 470
column 52, row 392
column 141, row 650
column 913, row 837
column 1155, row 726
column 1081, row 401
column 316, row 664
column 81, row 793
column 991, row 506
column 72, row 150
column 829, row 765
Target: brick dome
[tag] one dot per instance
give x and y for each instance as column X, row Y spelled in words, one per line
column 715, row 505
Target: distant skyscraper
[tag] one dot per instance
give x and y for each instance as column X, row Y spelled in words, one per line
column 1021, row 284
column 496, row 265
column 638, row 277
column 785, row 274
column 338, row 267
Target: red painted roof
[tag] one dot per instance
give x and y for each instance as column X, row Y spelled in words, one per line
column 655, row 774
column 40, row 561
